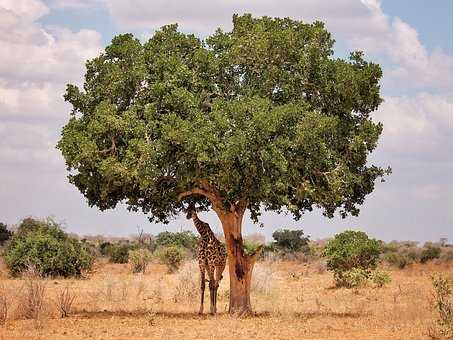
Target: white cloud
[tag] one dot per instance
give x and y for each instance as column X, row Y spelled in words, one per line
column 31, row 53
column 28, row 10
column 74, row 3
column 416, row 67
column 35, row 64
column 419, row 126
column 205, row 16
column 27, row 144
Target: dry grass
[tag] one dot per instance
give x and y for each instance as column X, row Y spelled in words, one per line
column 291, row 300
column 187, row 288
column 4, row 303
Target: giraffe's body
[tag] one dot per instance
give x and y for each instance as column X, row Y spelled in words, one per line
column 211, row 254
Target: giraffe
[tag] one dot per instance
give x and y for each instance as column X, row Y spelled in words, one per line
column 211, row 254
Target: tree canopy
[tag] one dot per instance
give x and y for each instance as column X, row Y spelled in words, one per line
column 290, row 240
column 262, row 116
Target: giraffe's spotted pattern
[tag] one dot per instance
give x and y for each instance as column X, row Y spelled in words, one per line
column 211, row 255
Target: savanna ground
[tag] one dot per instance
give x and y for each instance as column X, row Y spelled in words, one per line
column 291, row 300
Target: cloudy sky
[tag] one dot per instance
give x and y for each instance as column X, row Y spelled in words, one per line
column 43, row 46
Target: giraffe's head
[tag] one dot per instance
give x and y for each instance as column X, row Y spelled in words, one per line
column 190, row 211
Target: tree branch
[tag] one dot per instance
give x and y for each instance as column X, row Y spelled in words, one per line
column 207, row 191
column 194, row 191
column 112, row 148
column 242, row 205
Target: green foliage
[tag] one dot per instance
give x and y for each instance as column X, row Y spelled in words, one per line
column 184, row 239
column 380, row 278
column 351, row 250
column 429, row 254
column 105, row 248
column 443, row 303
column 413, row 254
column 171, row 256
column 290, row 240
column 139, row 260
column 353, row 278
column 251, row 247
column 263, row 113
column 119, row 253
column 396, row 259
column 43, row 245
column 30, row 224
column 5, row 234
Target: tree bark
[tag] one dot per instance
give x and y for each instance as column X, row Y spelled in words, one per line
column 240, row 265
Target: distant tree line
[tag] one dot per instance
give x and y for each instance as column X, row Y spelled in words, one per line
column 43, row 244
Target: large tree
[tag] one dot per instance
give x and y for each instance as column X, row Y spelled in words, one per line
column 262, row 117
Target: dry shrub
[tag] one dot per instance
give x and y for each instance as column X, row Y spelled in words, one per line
column 262, row 280
column 157, row 291
column 31, row 300
column 443, row 304
column 65, row 301
column 139, row 260
column 150, row 317
column 186, row 288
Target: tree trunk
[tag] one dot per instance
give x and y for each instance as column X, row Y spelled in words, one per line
column 240, row 265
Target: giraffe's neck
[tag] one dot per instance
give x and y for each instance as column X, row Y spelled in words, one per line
column 203, row 228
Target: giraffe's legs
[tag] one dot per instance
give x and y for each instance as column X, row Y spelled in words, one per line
column 218, row 276
column 212, row 283
column 202, row 287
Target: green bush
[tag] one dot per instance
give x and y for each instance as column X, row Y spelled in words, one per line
column 30, row 224
column 429, row 254
column 250, row 247
column 105, row 248
column 5, row 234
column 380, row 278
column 396, row 259
column 413, row 254
column 185, row 239
column 43, row 245
column 171, row 256
column 351, row 250
column 290, row 241
column 353, row 278
column 119, row 253
column 139, row 260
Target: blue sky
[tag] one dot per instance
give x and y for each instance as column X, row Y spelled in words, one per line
column 432, row 20
column 45, row 45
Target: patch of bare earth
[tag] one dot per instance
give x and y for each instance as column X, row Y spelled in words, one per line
column 291, row 300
